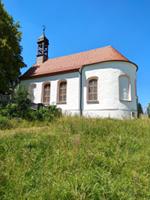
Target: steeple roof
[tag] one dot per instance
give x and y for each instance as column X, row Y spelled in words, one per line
column 42, row 38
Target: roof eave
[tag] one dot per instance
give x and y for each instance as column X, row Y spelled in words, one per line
column 72, row 70
column 48, row 74
column 127, row 61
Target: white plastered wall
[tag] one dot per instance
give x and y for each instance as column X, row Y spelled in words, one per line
column 72, row 105
column 109, row 104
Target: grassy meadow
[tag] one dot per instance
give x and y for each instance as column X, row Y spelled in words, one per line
column 75, row 158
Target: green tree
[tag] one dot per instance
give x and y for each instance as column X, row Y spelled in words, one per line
column 21, row 100
column 11, row 60
column 140, row 109
column 148, row 110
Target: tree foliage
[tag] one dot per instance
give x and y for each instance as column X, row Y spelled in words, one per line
column 20, row 106
column 11, row 60
column 148, row 110
column 140, row 109
column 21, row 100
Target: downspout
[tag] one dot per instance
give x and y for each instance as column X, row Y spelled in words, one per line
column 80, row 93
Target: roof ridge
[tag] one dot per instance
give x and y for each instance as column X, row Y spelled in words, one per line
column 81, row 52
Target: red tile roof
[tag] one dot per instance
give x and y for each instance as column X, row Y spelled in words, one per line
column 73, row 62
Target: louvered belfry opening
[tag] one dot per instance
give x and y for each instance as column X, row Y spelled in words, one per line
column 42, row 51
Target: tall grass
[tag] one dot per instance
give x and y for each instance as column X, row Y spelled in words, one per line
column 76, row 159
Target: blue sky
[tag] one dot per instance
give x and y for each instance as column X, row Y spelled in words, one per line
column 79, row 25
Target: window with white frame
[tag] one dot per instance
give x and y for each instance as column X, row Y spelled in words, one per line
column 124, row 88
column 62, row 92
column 92, row 90
column 46, row 93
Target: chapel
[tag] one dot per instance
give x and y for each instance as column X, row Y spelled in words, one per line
column 96, row 83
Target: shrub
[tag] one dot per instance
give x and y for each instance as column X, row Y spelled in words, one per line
column 44, row 113
column 41, row 114
column 56, row 112
column 20, row 107
column 148, row 110
column 5, row 123
column 10, row 110
column 21, row 101
column 140, row 109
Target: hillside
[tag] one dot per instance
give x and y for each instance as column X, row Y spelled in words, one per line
column 75, row 159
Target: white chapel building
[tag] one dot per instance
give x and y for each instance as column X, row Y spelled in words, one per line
column 95, row 83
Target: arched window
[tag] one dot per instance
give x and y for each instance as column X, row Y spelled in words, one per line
column 124, row 88
column 62, row 92
column 46, row 93
column 92, row 90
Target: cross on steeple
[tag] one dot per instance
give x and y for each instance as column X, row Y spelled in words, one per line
column 44, row 28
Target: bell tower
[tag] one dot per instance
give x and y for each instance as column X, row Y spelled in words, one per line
column 42, row 52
